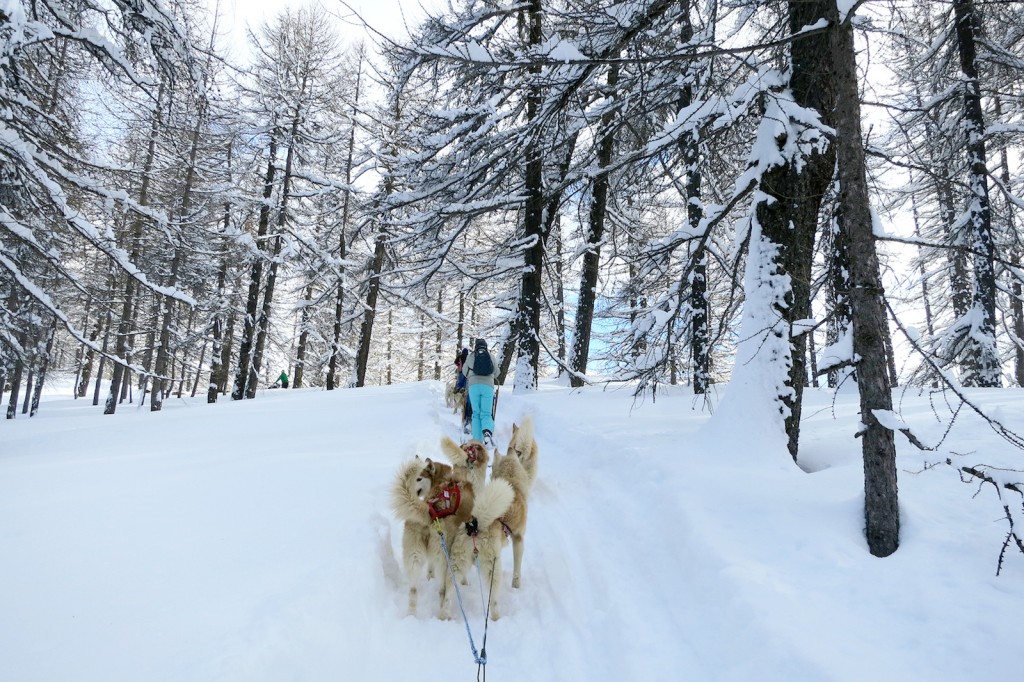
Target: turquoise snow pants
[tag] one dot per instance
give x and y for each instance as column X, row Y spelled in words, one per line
column 481, row 397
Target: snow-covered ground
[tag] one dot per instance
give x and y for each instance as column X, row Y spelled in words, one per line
column 252, row 542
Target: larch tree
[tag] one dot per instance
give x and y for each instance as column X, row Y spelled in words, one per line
column 868, row 314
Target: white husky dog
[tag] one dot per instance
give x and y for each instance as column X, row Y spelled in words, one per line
column 487, row 533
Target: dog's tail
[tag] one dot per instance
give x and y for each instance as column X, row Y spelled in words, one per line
column 404, row 501
column 492, row 502
column 455, row 454
column 524, row 432
column 524, row 445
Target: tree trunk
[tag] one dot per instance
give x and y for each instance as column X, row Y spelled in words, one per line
column 126, row 380
column 689, row 147
column 300, row 353
column 528, row 323
column 881, row 505
column 789, row 219
column 160, row 383
column 840, row 315
column 90, row 357
column 81, row 353
column 419, row 354
column 580, row 353
column 370, row 308
column 1016, row 290
column 225, row 355
column 199, row 370
column 19, row 360
column 128, row 304
column 219, row 360
column 339, row 306
column 147, row 357
column 559, row 294
column 218, row 367
column 44, row 364
column 460, row 327
column 29, row 383
column 12, row 403
column 388, row 360
column 282, row 219
column 103, row 358
column 1017, row 312
column 438, row 338
column 245, row 347
column 553, row 209
column 812, row 355
column 983, row 366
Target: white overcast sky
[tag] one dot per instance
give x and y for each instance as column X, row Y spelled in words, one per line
column 385, row 16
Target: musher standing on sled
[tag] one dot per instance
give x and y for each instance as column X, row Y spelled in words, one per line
column 479, row 371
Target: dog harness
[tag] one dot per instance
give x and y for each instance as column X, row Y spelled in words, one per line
column 445, row 503
column 471, row 455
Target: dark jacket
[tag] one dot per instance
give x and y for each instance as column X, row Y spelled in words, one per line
column 472, row 377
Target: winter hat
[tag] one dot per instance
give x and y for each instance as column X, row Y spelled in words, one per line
column 480, row 343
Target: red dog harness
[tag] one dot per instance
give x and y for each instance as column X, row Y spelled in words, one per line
column 445, row 503
column 472, row 453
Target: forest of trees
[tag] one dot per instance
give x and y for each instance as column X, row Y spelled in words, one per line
column 623, row 191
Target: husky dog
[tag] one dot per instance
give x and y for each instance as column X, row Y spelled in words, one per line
column 422, row 492
column 488, row 535
column 471, row 457
column 511, row 470
column 524, row 446
column 450, row 399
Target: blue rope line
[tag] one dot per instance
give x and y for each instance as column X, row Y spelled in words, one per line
column 480, row 660
column 480, row 579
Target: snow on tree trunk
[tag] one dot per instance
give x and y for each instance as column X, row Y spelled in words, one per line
column 595, row 236
column 528, row 338
column 983, row 365
column 245, row 347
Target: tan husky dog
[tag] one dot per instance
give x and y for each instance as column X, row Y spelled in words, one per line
column 422, row 492
column 511, row 470
column 471, row 456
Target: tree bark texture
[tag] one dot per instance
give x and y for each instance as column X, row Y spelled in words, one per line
column 300, row 352
column 528, row 337
column 881, row 504
column 370, row 308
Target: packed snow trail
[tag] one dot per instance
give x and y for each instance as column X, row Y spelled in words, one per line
column 252, row 542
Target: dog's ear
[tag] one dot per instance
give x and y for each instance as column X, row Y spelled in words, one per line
column 429, row 468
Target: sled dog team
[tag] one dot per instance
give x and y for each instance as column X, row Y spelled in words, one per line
column 473, row 514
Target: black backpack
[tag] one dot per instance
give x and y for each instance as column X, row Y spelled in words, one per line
column 482, row 365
